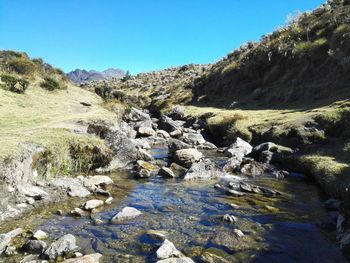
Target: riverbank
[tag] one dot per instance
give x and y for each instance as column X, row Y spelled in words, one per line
column 169, row 189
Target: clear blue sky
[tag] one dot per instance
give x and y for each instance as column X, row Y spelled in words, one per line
column 138, row 35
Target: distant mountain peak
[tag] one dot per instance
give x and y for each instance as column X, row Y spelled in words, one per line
column 81, row 75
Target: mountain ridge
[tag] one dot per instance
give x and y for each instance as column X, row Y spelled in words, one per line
column 80, row 76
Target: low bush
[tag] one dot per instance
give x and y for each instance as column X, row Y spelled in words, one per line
column 86, row 156
column 21, row 66
column 104, row 91
column 13, row 84
column 50, row 84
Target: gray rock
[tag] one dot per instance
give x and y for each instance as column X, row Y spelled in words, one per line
column 143, row 173
column 169, row 125
column 270, row 152
column 207, row 146
column 177, row 113
column 142, row 143
column 168, row 250
column 35, row 192
column 91, row 258
column 232, row 165
column 166, row 172
column 5, row 239
column 35, row 246
column 238, row 233
column 10, row 251
column 157, row 234
column 63, row 246
column 78, row 212
column 136, row 115
column 145, row 132
column 187, row 157
column 40, row 235
column 193, row 138
column 238, row 149
column 92, row 182
column 176, row 260
column 272, row 147
column 252, row 168
column 163, row 134
column 92, row 204
column 109, row 200
column 175, row 145
column 253, row 189
column 156, row 141
column 78, row 191
column 176, row 134
column 128, row 130
column 178, row 169
column 229, row 218
column 203, row 170
column 143, row 155
column 126, row 213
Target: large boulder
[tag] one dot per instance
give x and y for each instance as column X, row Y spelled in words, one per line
column 175, row 144
column 252, row 168
column 187, row 157
column 270, row 152
column 178, row 113
column 202, row 170
column 65, row 245
column 238, row 149
column 193, row 138
column 141, row 143
column 163, row 134
column 5, row 239
column 143, row 155
column 145, row 132
column 135, row 115
column 169, row 125
column 166, row 172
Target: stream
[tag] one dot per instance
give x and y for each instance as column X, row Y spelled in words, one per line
column 293, row 227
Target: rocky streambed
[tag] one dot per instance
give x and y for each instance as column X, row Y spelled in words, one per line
column 179, row 199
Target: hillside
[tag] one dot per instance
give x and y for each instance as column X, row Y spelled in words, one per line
column 79, row 76
column 40, row 107
column 292, row 87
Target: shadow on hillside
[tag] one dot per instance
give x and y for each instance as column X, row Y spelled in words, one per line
column 301, row 105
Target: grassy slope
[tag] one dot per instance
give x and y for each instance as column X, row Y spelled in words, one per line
column 291, row 88
column 44, row 117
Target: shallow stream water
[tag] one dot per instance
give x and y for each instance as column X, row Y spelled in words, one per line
column 293, row 227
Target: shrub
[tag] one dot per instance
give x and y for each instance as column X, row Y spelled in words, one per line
column 303, row 48
column 230, row 67
column 127, row 76
column 50, row 84
column 104, row 91
column 86, row 157
column 14, row 84
column 21, row 66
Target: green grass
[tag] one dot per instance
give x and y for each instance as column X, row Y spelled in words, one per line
column 332, row 175
column 45, row 118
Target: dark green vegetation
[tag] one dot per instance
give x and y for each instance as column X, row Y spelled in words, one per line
column 17, row 71
column 292, row 88
column 305, row 63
